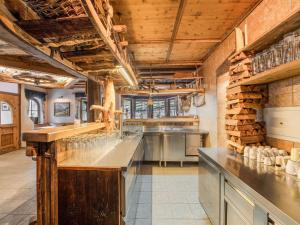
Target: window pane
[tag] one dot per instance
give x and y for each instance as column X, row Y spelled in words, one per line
column 173, row 107
column 159, row 109
column 126, row 108
column 33, row 110
column 141, row 109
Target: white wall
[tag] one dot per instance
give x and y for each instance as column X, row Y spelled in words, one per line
column 61, row 95
column 208, row 117
column 9, row 87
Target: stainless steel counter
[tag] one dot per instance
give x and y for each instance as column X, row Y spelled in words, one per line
column 172, row 144
column 277, row 192
column 161, row 129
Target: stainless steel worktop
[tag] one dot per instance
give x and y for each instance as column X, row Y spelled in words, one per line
column 119, row 157
column 276, row 191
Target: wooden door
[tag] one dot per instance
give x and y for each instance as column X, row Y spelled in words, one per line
column 9, row 122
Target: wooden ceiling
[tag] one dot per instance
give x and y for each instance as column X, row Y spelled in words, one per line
column 182, row 32
column 78, row 34
column 167, row 38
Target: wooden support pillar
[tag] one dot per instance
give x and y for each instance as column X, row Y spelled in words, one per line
column 93, row 98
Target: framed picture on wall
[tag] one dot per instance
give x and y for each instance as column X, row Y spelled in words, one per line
column 4, row 107
column 62, row 109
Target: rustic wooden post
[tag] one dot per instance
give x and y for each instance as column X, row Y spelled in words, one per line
column 93, row 98
column 46, row 181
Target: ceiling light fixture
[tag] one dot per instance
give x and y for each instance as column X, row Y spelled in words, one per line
column 125, row 75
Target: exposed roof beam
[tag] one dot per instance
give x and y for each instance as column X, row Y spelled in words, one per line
column 10, row 33
column 170, row 64
column 178, row 41
column 157, row 78
column 22, row 63
column 180, row 11
column 101, row 29
column 168, row 71
column 162, row 92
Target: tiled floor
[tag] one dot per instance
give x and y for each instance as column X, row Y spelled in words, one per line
column 169, row 197
column 17, row 189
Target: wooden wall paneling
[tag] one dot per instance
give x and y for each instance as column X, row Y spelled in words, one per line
column 89, row 196
column 46, row 169
column 10, row 134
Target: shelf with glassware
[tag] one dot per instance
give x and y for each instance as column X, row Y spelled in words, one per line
column 275, row 33
column 274, row 56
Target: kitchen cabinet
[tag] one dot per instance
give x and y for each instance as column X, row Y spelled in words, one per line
column 174, row 147
column 153, row 147
column 210, row 190
column 192, row 144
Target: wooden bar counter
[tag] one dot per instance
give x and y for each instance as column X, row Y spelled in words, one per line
column 84, row 193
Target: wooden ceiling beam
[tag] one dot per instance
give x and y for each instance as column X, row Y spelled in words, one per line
column 12, row 34
column 102, row 31
column 23, row 64
column 170, row 64
column 162, row 92
column 157, row 78
column 177, row 41
column 180, row 11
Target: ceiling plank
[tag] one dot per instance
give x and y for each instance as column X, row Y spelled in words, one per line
column 170, row 64
column 57, row 28
column 176, row 27
column 178, row 41
column 81, row 55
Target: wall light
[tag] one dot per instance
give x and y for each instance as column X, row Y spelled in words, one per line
column 125, row 75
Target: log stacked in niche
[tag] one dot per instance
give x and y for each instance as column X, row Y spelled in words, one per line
column 240, row 68
column 243, row 104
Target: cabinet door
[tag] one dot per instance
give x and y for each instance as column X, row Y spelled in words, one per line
column 233, row 217
column 193, row 143
column 174, row 147
column 209, row 190
column 152, row 147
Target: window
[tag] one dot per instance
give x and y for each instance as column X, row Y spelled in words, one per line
column 126, row 108
column 6, row 114
column 159, row 108
column 34, row 110
column 141, row 109
column 172, row 107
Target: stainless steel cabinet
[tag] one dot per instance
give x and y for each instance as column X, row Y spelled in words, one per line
column 210, row 190
column 192, row 144
column 153, row 147
column 173, row 147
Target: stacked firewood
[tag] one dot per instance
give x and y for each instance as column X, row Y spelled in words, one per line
column 240, row 68
column 243, row 104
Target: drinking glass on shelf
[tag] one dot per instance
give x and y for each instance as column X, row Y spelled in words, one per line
column 297, row 44
column 278, row 54
column 288, row 47
column 255, row 66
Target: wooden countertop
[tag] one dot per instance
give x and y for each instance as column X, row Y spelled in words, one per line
column 56, row 133
column 118, row 158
